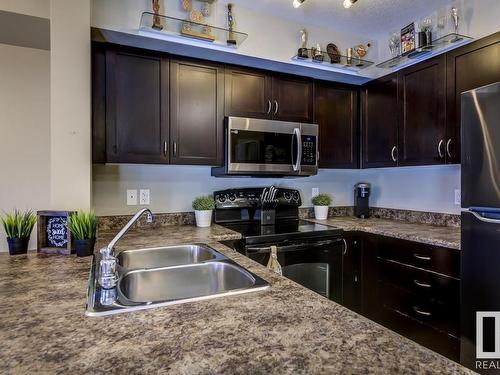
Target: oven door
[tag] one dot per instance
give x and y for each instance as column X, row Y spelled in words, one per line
column 263, row 147
column 317, row 264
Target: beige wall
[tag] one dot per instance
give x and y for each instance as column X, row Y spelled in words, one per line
column 24, row 130
column 37, row 8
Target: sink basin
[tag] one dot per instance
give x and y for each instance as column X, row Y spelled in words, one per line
column 184, row 282
column 166, row 256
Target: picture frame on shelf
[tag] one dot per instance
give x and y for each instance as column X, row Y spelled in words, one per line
column 408, row 39
column 53, row 235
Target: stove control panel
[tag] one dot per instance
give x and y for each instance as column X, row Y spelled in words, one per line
column 251, row 198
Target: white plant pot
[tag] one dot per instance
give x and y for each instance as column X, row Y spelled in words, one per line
column 203, row 218
column 321, row 212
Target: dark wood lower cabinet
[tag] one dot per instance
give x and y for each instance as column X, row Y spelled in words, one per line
column 418, row 297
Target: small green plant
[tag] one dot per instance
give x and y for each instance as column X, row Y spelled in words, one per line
column 19, row 224
column 83, row 225
column 204, row 203
column 322, row 200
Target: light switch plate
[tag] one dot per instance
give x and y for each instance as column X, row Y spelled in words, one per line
column 144, row 196
column 458, row 197
column 314, row 192
column 131, row 197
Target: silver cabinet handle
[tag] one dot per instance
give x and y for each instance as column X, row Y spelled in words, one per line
column 423, row 285
column 448, row 143
column 440, row 151
column 276, row 109
column 421, row 312
column 345, row 245
column 165, row 148
column 421, row 257
column 269, row 106
column 394, row 157
column 175, row 149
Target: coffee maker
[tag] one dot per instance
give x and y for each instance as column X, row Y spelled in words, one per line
column 361, row 200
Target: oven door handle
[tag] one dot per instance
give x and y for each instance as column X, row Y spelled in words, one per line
column 294, row 247
column 297, row 136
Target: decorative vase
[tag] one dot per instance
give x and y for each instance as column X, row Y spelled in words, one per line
column 84, row 248
column 18, row 245
column 321, row 212
column 203, row 218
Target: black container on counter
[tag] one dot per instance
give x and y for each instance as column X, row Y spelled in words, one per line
column 361, row 200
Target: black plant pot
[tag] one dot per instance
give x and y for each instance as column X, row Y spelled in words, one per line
column 18, row 245
column 84, row 248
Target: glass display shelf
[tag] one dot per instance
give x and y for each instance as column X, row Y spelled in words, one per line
column 189, row 29
column 334, row 60
column 445, row 42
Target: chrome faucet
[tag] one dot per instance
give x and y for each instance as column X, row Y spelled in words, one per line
column 107, row 266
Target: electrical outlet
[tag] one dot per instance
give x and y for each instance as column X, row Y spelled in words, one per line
column 144, row 196
column 131, row 197
column 458, row 197
column 314, row 192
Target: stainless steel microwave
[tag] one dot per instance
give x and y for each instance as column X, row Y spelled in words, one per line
column 255, row 147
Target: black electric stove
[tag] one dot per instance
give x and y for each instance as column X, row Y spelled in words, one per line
column 309, row 253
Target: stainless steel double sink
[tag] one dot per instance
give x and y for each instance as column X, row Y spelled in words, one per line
column 170, row 275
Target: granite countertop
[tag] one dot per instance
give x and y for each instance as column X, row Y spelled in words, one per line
column 285, row 329
column 424, row 233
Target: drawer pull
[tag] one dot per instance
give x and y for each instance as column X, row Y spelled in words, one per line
column 421, row 257
column 420, row 312
column 423, row 285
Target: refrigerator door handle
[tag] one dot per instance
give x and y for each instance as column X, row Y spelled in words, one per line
column 484, row 219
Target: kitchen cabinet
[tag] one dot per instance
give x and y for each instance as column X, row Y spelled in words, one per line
column 471, row 66
column 351, row 272
column 255, row 94
column 380, row 122
column 414, row 289
column 247, row 93
column 136, row 107
column 196, row 113
column 336, row 113
column 422, row 103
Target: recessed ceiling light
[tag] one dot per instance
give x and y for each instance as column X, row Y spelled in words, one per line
column 349, row 3
column 297, row 3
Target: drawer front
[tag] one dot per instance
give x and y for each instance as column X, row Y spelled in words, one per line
column 443, row 289
column 439, row 341
column 438, row 259
column 443, row 317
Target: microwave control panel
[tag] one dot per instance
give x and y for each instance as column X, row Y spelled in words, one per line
column 309, row 150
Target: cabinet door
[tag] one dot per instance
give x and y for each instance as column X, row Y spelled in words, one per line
column 247, row 93
column 422, row 113
column 136, row 108
column 469, row 67
column 351, row 266
column 292, row 99
column 196, row 113
column 336, row 113
column 380, row 122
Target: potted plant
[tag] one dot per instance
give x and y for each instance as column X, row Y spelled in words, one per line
column 203, row 207
column 321, row 204
column 18, row 226
column 83, row 228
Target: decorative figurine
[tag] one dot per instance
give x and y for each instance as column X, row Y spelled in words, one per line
column 349, row 57
column 230, row 25
column 456, row 19
column 156, row 19
column 318, row 55
column 205, row 9
column 302, row 52
column 334, row 53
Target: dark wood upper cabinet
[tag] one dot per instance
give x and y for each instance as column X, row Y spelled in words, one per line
column 196, row 113
column 336, row 113
column 380, row 122
column 292, row 99
column 474, row 65
column 422, row 113
column 136, row 108
column 247, row 93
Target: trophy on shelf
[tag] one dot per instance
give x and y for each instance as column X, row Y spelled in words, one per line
column 230, row 25
column 156, row 18
column 302, row 52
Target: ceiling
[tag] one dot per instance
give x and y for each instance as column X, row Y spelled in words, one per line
column 368, row 18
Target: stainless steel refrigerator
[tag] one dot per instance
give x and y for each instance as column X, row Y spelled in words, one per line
column 480, row 226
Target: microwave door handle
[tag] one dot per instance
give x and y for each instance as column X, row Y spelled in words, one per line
column 298, row 136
